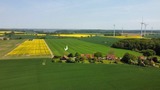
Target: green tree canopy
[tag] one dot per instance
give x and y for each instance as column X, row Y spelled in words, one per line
column 127, row 58
column 77, row 54
column 148, row 52
column 70, row 55
column 98, row 54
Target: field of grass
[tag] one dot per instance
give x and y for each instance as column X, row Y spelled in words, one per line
column 32, row 75
column 124, row 37
column 153, row 36
column 23, row 36
column 101, row 40
column 57, row 46
column 7, row 45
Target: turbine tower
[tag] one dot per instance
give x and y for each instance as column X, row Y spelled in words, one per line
column 151, row 30
column 145, row 28
column 114, row 30
column 122, row 30
column 142, row 27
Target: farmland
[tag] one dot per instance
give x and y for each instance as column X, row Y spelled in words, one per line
column 57, row 46
column 7, row 46
column 27, row 65
column 35, row 47
column 16, row 32
column 107, row 41
column 74, row 35
column 30, row 74
column 124, row 37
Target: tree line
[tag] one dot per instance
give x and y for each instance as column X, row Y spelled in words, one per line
column 139, row 44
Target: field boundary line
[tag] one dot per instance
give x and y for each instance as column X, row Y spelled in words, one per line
column 48, row 48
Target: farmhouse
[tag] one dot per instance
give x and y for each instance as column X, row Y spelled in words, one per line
column 87, row 55
column 110, row 57
column 142, row 58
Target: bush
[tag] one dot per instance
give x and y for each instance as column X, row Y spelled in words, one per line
column 70, row 55
column 92, row 60
column 129, row 58
column 77, row 54
column 141, row 63
column 98, row 54
column 155, row 59
column 71, row 60
column 148, row 52
column 147, row 62
column 77, row 59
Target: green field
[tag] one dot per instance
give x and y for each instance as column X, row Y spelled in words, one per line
column 8, row 45
column 101, row 40
column 153, row 36
column 32, row 75
column 57, row 46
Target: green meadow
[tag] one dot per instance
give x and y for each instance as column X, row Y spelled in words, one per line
column 75, row 45
column 7, row 46
column 101, row 40
column 30, row 74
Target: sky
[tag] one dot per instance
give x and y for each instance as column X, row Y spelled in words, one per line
column 79, row 14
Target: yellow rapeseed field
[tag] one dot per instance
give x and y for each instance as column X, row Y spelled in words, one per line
column 74, row 35
column 35, row 47
column 3, row 32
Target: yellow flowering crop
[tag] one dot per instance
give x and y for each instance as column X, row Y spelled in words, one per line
column 35, row 47
column 74, row 35
column 1, row 34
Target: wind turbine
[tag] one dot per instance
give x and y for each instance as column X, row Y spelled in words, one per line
column 114, row 30
column 122, row 30
column 151, row 30
column 145, row 28
column 142, row 27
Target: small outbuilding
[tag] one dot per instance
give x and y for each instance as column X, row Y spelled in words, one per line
column 111, row 57
column 87, row 56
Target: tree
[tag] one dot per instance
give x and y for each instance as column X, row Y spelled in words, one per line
column 77, row 54
column 78, row 57
column 129, row 58
column 148, row 52
column 70, row 55
column 98, row 54
column 155, row 59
